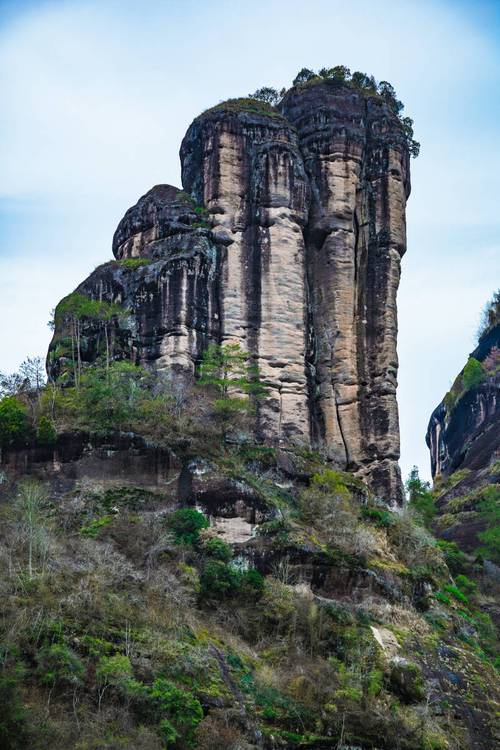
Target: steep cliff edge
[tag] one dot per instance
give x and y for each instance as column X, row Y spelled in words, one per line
column 464, row 442
column 287, row 239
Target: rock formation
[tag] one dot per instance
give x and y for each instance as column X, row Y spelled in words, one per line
column 463, row 431
column 286, row 238
column 464, row 442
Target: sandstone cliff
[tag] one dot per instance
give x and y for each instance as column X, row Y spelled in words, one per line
column 464, row 442
column 286, row 238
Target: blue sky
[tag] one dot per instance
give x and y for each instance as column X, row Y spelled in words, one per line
column 96, row 96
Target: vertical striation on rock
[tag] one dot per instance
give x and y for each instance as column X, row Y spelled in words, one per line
column 356, row 158
column 287, row 238
column 254, row 188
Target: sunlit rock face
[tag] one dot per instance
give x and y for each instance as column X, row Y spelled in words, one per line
column 246, row 169
column 286, row 238
column 357, row 163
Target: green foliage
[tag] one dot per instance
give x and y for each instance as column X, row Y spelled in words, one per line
column 46, row 433
column 473, row 374
column 77, row 306
column 219, row 580
column 218, row 549
column 183, row 712
column 226, row 370
column 490, row 315
column 13, row 421
column 113, row 670
column 420, row 497
column 133, row 263
column 304, row 75
column 57, row 664
column 13, row 716
column 466, row 586
column 330, row 481
column 382, row 518
column 456, row 594
column 489, row 511
column 92, row 530
column 186, row 524
column 267, row 94
column 454, row 558
column 247, row 104
column 340, row 76
column 110, row 398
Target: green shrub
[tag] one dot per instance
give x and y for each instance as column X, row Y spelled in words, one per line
column 13, row 421
column 56, row 663
column 183, row 712
column 489, row 511
column 133, row 263
column 420, row 497
column 473, row 374
column 46, row 433
column 218, row 549
column 252, row 582
column 13, row 716
column 382, row 518
column 95, row 526
column 454, row 558
column 186, row 524
column 465, row 585
column 456, row 593
column 218, row 580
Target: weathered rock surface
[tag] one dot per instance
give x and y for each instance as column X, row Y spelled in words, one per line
column 464, row 442
column 356, row 158
column 466, row 434
column 288, row 240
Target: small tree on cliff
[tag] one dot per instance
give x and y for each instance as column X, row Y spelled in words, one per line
column 76, row 308
column 227, row 371
column 267, row 94
column 420, row 497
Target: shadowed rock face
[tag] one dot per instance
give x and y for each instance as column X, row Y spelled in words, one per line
column 467, row 435
column 288, row 240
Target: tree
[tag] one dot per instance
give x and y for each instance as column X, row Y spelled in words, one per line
column 490, row 315
column 420, row 497
column 226, row 370
column 113, row 671
column 267, row 94
column 388, row 94
column 109, row 398
column 13, row 421
column 72, row 311
column 303, row 76
column 29, row 514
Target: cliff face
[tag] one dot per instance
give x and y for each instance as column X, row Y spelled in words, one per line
column 463, row 432
column 288, row 240
column 464, row 442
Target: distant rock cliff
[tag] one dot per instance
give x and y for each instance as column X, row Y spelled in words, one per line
column 464, row 430
column 287, row 238
column 464, row 442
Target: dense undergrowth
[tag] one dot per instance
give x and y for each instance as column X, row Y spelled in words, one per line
column 129, row 624
column 129, row 619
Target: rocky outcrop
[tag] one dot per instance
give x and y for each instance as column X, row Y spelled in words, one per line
column 464, row 442
column 463, row 431
column 356, row 158
column 286, row 238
